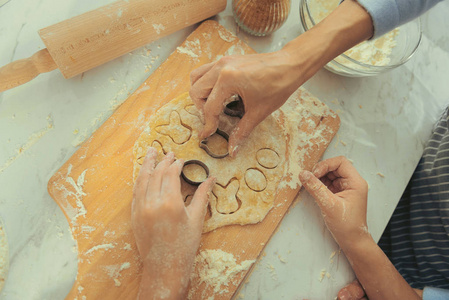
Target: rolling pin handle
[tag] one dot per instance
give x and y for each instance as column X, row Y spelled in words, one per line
column 23, row 70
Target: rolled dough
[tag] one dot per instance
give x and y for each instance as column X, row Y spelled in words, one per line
column 246, row 185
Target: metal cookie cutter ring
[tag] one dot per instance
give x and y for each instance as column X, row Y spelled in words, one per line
column 194, row 162
column 203, row 145
column 235, row 108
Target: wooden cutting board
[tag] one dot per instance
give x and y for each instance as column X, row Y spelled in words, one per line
column 94, row 187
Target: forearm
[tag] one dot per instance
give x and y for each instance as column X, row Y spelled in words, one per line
column 348, row 25
column 375, row 272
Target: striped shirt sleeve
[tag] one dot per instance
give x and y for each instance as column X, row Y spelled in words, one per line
column 389, row 14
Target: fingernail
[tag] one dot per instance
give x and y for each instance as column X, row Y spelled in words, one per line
column 170, row 155
column 315, row 169
column 304, row 175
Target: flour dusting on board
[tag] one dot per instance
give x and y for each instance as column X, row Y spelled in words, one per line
column 302, row 112
column 191, row 48
column 226, row 36
column 98, row 247
column 114, row 271
column 77, row 192
column 217, row 269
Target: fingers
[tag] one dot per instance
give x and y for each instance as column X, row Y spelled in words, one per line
column 338, row 167
column 353, row 291
column 213, row 107
column 145, row 172
column 197, row 207
column 317, row 189
column 199, row 72
column 242, row 130
column 201, row 89
column 153, row 192
column 171, row 182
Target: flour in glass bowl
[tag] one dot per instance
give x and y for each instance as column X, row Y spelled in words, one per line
column 372, row 52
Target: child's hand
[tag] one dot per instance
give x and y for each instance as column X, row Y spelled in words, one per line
column 341, row 194
column 352, row 291
column 167, row 233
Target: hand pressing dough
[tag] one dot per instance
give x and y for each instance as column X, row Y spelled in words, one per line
column 246, row 185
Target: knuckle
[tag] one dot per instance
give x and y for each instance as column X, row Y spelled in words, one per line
column 225, row 60
column 228, row 73
column 342, row 158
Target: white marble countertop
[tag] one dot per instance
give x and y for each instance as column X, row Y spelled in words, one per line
column 385, row 123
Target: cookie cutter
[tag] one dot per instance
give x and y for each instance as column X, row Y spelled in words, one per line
column 194, row 162
column 235, row 108
column 203, row 145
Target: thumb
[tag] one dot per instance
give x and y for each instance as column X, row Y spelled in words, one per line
column 241, row 131
column 197, row 207
column 318, row 190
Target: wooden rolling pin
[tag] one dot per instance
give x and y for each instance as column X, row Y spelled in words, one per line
column 93, row 38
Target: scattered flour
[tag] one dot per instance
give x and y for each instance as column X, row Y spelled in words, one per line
column 302, row 134
column 191, row 48
column 217, row 269
column 113, row 271
column 186, row 51
column 79, row 193
column 159, row 28
column 226, row 36
column 99, row 247
column 32, row 139
column 4, row 256
column 322, row 275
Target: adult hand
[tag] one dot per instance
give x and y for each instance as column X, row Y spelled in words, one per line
column 167, row 233
column 263, row 81
column 341, row 194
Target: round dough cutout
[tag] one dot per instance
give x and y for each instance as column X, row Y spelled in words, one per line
column 268, row 158
column 255, row 180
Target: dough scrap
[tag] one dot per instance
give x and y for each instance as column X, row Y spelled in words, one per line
column 246, row 185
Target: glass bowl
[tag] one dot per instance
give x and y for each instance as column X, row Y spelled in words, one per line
column 371, row 57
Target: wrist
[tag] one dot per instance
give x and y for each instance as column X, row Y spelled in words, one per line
column 357, row 243
column 348, row 25
column 163, row 284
